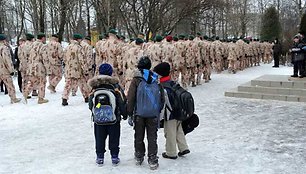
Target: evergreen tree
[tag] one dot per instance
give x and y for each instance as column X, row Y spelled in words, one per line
column 303, row 23
column 271, row 27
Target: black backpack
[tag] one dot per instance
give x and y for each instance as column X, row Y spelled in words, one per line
column 182, row 101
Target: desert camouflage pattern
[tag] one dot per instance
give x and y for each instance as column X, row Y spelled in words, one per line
column 55, row 52
column 6, row 68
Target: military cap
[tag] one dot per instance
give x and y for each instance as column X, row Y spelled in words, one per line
column 217, row 38
column 175, row 38
column 139, row 41
column 199, row 34
column 2, row 37
column 41, row 35
column 191, row 37
column 29, row 36
column 181, row 37
column 77, row 36
column 88, row 38
column 206, row 37
column 101, row 36
column 55, row 35
column 113, row 31
column 158, row 38
column 169, row 38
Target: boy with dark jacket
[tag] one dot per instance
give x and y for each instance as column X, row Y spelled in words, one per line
column 144, row 123
column 105, row 80
column 174, row 133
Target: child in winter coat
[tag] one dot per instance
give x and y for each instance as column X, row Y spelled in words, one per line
column 144, row 122
column 174, row 133
column 105, row 81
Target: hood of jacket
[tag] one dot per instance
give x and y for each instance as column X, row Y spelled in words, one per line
column 147, row 75
column 101, row 80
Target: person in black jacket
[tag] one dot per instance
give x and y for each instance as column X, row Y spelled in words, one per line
column 277, row 49
column 106, row 81
column 298, row 57
column 20, row 42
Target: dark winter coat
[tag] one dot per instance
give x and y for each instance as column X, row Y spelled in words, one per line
column 297, row 50
column 108, row 82
column 132, row 92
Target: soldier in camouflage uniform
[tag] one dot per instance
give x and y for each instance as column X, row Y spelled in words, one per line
column 75, row 69
column 180, row 60
column 7, row 69
column 23, row 55
column 55, row 53
column 88, row 51
column 38, row 68
column 130, row 60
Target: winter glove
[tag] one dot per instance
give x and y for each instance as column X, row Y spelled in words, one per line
column 131, row 121
column 12, row 73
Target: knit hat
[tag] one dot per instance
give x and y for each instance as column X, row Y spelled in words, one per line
column 162, row 69
column 105, row 69
column 29, row 36
column 2, row 37
column 41, row 35
column 191, row 37
column 144, row 63
column 77, row 36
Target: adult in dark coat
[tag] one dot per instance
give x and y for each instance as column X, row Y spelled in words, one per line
column 277, row 49
column 298, row 57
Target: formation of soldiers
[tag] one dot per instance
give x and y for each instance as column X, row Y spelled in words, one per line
column 192, row 59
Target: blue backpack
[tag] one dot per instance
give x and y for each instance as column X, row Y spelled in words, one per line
column 104, row 101
column 148, row 101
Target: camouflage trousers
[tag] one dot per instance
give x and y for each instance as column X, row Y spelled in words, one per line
column 36, row 81
column 184, row 77
column 7, row 80
column 207, row 72
column 56, row 76
column 73, row 84
column 192, row 71
column 24, row 80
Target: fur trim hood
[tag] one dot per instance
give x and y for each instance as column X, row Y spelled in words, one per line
column 102, row 79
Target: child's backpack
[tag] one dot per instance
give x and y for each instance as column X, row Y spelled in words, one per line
column 148, row 99
column 182, row 104
column 104, row 106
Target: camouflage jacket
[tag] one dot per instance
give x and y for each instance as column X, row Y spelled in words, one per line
column 75, row 62
column 38, row 65
column 6, row 64
column 55, row 51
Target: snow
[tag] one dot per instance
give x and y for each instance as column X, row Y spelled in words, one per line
column 236, row 136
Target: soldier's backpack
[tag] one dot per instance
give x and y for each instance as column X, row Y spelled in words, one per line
column 148, row 99
column 182, row 104
column 104, row 106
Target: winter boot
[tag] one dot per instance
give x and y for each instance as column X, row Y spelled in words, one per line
column 153, row 162
column 51, row 88
column 164, row 154
column 42, row 101
column 138, row 160
column 25, row 97
column 100, row 161
column 64, row 102
column 115, row 160
column 15, row 100
column 73, row 93
column 34, row 93
column 180, row 154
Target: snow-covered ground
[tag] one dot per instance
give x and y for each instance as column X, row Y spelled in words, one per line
column 240, row 136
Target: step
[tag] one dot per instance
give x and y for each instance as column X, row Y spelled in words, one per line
column 279, row 81
column 272, row 90
column 254, row 95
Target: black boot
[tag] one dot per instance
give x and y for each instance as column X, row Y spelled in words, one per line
column 86, row 100
column 64, row 102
